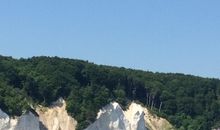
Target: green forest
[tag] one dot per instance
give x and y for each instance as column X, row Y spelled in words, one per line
column 188, row 102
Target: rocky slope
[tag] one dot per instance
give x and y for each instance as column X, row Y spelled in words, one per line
column 56, row 117
column 110, row 117
column 153, row 122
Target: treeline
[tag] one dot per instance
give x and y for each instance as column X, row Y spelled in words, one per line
column 188, row 102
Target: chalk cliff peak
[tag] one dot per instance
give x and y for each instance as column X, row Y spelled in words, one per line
column 112, row 117
column 136, row 117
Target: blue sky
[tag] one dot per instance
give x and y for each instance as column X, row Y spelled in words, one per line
column 158, row 35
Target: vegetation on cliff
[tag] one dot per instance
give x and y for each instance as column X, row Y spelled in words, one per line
column 188, row 102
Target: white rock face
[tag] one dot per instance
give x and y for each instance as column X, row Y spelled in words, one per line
column 27, row 121
column 52, row 118
column 112, row 117
column 135, row 116
column 4, row 120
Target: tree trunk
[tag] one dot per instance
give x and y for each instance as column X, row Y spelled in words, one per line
column 160, row 106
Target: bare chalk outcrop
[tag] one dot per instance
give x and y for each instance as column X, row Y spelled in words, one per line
column 110, row 117
column 56, row 117
column 45, row 118
column 27, row 121
column 136, row 117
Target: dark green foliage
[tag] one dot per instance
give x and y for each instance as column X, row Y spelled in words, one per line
column 189, row 102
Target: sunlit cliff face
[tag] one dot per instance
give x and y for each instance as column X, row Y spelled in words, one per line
column 136, row 117
column 110, row 117
column 56, row 117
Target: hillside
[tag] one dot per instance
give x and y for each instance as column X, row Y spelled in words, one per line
column 188, row 102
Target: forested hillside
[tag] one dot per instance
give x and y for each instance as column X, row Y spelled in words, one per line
column 188, row 102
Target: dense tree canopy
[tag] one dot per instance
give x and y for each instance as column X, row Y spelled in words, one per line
column 188, row 102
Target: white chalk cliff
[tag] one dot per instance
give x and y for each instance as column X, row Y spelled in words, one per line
column 52, row 118
column 110, row 117
column 27, row 121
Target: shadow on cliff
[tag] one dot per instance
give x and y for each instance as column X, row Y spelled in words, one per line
column 42, row 126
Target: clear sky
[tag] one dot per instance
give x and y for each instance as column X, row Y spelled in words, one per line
column 158, row 35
